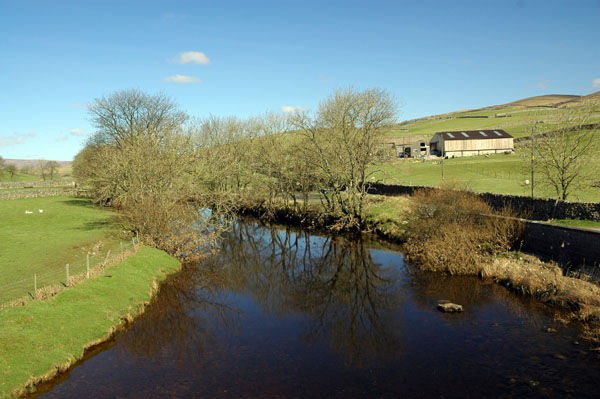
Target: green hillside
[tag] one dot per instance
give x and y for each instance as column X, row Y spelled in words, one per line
column 514, row 117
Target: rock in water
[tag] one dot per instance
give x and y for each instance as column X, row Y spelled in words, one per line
column 449, row 307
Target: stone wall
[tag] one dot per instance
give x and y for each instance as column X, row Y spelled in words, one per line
column 569, row 247
column 537, row 209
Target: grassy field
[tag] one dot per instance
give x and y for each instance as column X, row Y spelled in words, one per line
column 514, row 117
column 18, row 177
column 505, row 174
column 43, row 243
column 37, row 338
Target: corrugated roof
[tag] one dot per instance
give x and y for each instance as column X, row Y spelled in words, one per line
column 474, row 134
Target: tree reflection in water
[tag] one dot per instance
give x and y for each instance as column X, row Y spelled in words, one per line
column 346, row 297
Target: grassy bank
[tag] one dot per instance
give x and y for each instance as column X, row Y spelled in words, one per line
column 43, row 243
column 45, row 337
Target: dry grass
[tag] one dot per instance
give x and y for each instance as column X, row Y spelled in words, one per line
column 455, row 231
column 528, row 275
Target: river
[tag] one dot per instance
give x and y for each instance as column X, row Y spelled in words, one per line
column 282, row 313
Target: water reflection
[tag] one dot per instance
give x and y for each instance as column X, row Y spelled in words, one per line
column 348, row 298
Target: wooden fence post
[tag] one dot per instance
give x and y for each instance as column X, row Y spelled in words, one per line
column 107, row 256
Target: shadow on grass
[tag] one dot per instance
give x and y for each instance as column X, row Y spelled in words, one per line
column 107, row 223
column 83, row 202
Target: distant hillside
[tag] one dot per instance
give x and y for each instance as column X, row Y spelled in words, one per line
column 514, row 117
column 32, row 163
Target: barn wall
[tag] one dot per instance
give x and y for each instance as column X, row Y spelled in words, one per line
column 477, row 147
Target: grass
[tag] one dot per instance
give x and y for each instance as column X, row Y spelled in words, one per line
column 590, row 224
column 498, row 173
column 42, row 337
column 5, row 177
column 518, row 124
column 42, row 243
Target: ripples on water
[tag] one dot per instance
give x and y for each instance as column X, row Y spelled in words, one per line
column 284, row 314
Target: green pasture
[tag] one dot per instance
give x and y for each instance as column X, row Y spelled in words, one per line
column 38, row 337
column 43, row 243
column 498, row 173
column 4, row 176
column 515, row 120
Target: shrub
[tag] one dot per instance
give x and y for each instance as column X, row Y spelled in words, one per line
column 455, row 231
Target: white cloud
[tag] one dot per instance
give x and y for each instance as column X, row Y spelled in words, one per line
column 181, row 79
column 596, row 82
column 192, row 57
column 288, row 109
column 15, row 139
column 77, row 132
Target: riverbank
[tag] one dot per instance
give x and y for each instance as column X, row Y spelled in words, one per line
column 43, row 338
column 391, row 219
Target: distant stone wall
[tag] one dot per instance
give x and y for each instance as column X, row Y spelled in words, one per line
column 537, row 209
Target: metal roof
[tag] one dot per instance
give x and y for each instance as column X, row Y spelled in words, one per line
column 474, row 134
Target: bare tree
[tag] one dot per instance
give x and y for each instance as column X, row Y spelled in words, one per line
column 145, row 166
column 2, row 164
column 562, row 156
column 11, row 170
column 127, row 114
column 51, row 168
column 342, row 141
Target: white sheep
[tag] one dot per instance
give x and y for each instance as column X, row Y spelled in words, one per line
column 28, row 212
column 41, row 211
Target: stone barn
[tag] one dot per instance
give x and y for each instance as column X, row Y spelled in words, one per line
column 408, row 146
column 471, row 142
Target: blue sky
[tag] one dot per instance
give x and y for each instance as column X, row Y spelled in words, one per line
column 434, row 56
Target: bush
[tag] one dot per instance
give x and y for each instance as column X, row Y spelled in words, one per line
column 455, row 231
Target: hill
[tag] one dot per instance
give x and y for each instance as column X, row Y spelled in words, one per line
column 32, row 163
column 515, row 117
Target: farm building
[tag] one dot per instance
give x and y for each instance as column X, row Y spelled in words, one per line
column 471, row 142
column 408, row 147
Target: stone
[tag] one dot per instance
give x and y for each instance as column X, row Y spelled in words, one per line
column 449, row 307
column 551, row 330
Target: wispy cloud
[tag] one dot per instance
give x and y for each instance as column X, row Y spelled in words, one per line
column 596, row 82
column 192, row 57
column 63, row 138
column 543, row 84
column 77, row 132
column 15, row 139
column 181, row 79
column 288, row 109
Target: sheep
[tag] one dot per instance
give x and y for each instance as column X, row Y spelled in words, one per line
column 41, row 211
column 28, row 212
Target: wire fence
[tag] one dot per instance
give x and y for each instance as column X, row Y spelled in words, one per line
column 47, row 283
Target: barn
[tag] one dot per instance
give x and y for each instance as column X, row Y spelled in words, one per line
column 408, row 146
column 471, row 142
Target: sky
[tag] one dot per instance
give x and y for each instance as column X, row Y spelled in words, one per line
column 244, row 58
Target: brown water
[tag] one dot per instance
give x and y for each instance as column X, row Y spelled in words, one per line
column 286, row 314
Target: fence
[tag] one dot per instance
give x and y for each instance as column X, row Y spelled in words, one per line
column 41, row 285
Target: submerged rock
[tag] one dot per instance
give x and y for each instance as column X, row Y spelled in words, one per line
column 449, row 307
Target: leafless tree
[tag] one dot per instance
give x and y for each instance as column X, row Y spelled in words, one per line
column 342, row 141
column 127, row 114
column 562, row 156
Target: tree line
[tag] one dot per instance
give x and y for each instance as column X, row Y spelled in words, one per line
column 164, row 169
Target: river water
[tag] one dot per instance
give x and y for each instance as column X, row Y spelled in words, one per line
column 281, row 313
